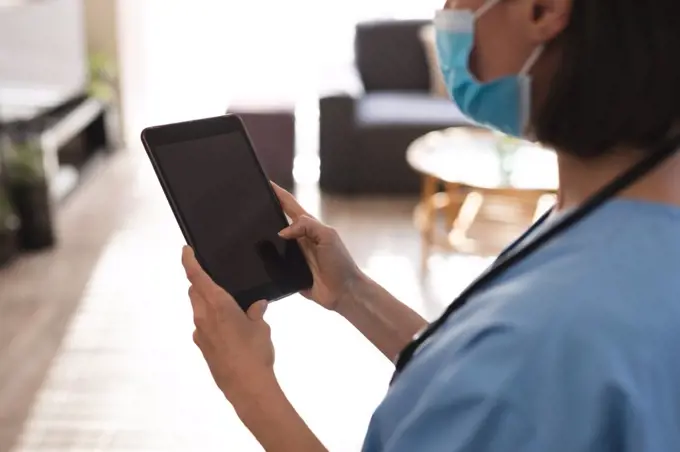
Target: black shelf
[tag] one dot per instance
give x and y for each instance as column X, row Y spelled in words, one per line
column 71, row 137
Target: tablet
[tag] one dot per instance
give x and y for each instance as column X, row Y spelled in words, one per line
column 226, row 207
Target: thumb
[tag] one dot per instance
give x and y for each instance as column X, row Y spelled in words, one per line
column 256, row 310
column 304, row 227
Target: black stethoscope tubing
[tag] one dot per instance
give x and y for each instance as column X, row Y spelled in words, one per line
column 512, row 256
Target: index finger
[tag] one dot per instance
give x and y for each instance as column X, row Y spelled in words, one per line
column 290, row 205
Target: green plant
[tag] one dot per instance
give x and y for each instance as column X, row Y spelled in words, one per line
column 25, row 162
column 8, row 218
column 5, row 208
column 103, row 77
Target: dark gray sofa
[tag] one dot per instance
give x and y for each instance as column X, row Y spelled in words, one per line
column 364, row 136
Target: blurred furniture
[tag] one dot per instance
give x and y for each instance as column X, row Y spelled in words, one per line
column 44, row 156
column 473, row 178
column 71, row 135
column 272, row 131
column 364, row 135
column 9, row 225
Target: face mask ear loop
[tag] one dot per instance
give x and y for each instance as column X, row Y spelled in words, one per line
column 525, row 80
column 485, row 8
column 531, row 61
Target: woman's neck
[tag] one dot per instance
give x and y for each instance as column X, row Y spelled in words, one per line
column 580, row 179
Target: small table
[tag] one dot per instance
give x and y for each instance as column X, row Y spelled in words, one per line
column 466, row 180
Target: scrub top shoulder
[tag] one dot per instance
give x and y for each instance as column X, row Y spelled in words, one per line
column 573, row 349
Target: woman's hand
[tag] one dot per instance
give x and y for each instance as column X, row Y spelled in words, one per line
column 236, row 345
column 334, row 270
column 239, row 352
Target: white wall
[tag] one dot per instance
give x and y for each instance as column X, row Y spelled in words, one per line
column 177, row 60
column 101, row 25
column 182, row 59
column 42, row 49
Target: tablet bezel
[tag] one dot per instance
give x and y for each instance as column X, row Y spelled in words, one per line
column 153, row 137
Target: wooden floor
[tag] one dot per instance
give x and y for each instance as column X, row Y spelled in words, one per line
column 95, row 336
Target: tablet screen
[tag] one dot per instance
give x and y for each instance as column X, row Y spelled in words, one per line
column 228, row 210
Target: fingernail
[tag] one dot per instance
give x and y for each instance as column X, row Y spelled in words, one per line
column 187, row 251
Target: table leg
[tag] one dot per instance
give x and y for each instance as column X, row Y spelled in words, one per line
column 467, row 214
column 456, row 197
column 427, row 195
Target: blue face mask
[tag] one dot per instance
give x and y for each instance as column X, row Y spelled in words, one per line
column 503, row 104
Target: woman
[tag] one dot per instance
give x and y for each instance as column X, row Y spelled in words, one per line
column 570, row 342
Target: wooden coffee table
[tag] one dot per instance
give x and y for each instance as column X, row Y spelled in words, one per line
column 466, row 184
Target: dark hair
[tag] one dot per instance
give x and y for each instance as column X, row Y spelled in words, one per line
column 618, row 81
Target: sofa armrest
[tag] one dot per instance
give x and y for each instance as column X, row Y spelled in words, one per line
column 337, row 142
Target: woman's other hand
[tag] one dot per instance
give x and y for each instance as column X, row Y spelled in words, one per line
column 237, row 346
column 334, row 270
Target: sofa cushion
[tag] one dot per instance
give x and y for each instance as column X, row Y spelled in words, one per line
column 390, row 56
column 404, row 108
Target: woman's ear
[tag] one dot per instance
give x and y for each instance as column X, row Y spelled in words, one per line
column 549, row 18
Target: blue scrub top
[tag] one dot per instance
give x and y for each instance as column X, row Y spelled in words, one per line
column 576, row 348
